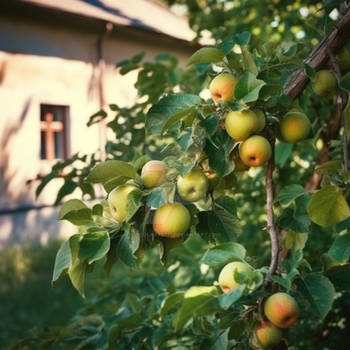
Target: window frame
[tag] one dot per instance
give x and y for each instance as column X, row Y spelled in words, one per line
column 63, row 110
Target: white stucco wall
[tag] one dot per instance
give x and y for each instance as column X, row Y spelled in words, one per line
column 52, row 65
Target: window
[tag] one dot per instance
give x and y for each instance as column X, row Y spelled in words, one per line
column 53, row 132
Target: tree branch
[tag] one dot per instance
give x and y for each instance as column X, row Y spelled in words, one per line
column 319, row 55
column 271, row 227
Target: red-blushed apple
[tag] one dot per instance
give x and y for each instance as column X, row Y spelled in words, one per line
column 295, row 126
column 193, row 186
column 153, row 173
column 227, row 279
column 171, row 220
column 281, row 309
column 324, row 83
column 261, row 119
column 255, row 151
column 117, row 201
column 241, row 124
column 222, row 87
column 267, row 334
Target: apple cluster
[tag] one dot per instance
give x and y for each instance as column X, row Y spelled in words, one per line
column 280, row 309
column 245, row 125
column 171, row 220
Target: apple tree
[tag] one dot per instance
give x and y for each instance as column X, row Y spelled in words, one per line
column 236, row 174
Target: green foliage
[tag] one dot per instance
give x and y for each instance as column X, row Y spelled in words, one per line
column 328, row 206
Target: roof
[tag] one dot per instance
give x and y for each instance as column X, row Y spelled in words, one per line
column 148, row 15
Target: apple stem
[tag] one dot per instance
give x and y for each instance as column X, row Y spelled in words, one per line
column 341, row 105
column 271, row 227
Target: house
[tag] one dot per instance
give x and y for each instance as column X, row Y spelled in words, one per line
column 57, row 68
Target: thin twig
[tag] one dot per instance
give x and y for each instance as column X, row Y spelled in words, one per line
column 271, row 227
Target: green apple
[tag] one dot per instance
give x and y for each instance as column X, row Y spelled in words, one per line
column 196, row 291
column 294, row 126
column 261, row 119
column 227, row 280
column 267, row 334
column 118, row 199
column 193, row 186
column 324, row 83
column 281, row 309
column 171, row 220
column 255, row 151
column 222, row 87
column 241, row 124
column 153, row 173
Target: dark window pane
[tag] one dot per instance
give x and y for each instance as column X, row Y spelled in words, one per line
column 42, row 145
column 57, row 114
column 59, row 145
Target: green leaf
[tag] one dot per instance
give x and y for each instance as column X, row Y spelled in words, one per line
column 157, row 197
column 340, row 249
column 185, row 140
column 210, row 124
column 283, row 153
column 186, row 113
column 94, row 246
column 249, row 64
column 309, row 71
column 78, row 267
column 206, row 55
column 340, row 277
column 110, row 169
column 171, row 302
column 77, row 276
column 133, row 203
column 345, row 82
column 223, row 254
column 227, row 299
column 290, row 51
column 319, row 291
column 248, row 88
column 328, row 206
column 62, row 262
column 115, row 182
column 284, row 282
column 67, row 188
column 242, row 38
column 295, row 240
column 76, row 212
column 200, row 305
column 166, row 108
column 330, row 167
column 221, row 144
column 127, row 246
column 289, row 193
column 128, row 323
column 222, row 342
column 97, row 117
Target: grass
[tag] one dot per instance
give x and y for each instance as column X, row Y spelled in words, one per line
column 27, row 299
